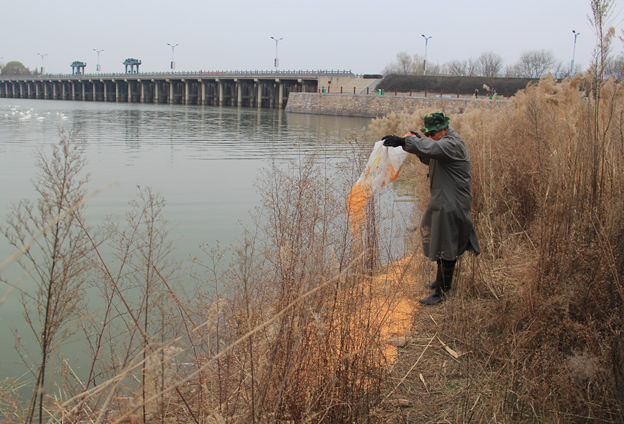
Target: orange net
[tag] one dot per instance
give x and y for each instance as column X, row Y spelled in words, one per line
column 356, row 206
column 393, row 309
column 383, row 167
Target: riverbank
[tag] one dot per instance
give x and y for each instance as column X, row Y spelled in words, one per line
column 531, row 331
column 377, row 105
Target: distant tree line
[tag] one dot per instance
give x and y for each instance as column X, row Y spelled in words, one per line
column 532, row 64
column 15, row 68
column 449, row 85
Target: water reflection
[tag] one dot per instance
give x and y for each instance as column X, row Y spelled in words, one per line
column 205, row 162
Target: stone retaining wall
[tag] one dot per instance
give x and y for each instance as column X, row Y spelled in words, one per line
column 374, row 106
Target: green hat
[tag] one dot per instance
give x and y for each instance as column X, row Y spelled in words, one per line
column 435, row 121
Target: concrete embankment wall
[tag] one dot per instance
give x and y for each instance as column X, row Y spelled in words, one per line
column 374, row 106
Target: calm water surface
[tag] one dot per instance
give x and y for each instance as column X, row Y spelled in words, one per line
column 203, row 160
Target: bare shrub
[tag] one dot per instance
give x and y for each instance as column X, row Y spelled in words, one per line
column 54, row 251
column 131, row 331
column 295, row 329
column 303, row 297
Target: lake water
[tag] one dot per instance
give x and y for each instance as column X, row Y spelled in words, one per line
column 203, row 160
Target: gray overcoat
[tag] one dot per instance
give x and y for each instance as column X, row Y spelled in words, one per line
column 446, row 227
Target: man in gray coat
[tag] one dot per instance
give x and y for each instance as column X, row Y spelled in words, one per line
column 446, row 227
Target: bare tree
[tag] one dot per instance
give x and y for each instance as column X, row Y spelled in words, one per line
column 511, row 71
column 55, row 252
column 490, row 64
column 472, row 67
column 616, row 67
column 405, row 65
column 462, row 68
column 535, row 63
column 432, row 69
column 457, row 68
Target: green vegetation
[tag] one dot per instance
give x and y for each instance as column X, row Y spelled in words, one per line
column 453, row 85
column 15, row 68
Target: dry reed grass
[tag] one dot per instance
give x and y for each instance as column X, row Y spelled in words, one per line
column 538, row 316
column 323, row 359
column 295, row 328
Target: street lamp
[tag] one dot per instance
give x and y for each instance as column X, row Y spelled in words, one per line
column 576, row 34
column 42, row 56
column 276, row 63
column 173, row 46
column 98, row 67
column 425, row 62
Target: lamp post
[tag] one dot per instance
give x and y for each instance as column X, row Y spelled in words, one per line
column 576, row 34
column 42, row 56
column 426, row 44
column 173, row 46
column 276, row 63
column 98, row 67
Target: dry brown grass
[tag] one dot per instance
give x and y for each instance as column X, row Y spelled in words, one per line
column 296, row 328
column 322, row 355
column 537, row 318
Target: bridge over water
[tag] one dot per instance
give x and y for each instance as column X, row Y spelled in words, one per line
column 268, row 89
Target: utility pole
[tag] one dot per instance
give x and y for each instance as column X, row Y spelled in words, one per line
column 98, row 67
column 576, row 34
column 172, row 52
column 42, row 67
column 425, row 63
column 276, row 63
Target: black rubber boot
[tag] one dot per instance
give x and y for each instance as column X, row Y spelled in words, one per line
column 432, row 285
column 433, row 299
column 448, row 267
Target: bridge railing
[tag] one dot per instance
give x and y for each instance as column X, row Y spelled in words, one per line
column 260, row 73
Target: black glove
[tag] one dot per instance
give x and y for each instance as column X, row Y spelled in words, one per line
column 393, row 141
column 415, row 134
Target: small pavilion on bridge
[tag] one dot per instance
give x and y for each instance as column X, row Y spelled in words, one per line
column 78, row 67
column 132, row 63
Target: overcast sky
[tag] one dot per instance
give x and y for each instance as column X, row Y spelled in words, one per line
column 361, row 36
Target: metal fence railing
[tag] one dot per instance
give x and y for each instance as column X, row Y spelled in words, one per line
column 250, row 73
